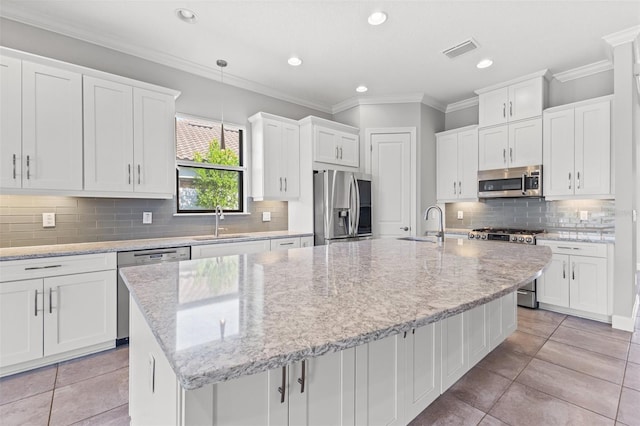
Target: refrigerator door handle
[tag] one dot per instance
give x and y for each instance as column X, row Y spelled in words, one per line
column 351, row 204
column 357, row 215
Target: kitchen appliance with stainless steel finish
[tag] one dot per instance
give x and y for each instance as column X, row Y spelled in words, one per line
column 342, row 206
column 510, row 183
column 134, row 258
column 526, row 293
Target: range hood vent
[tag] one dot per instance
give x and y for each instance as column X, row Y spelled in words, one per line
column 461, row 48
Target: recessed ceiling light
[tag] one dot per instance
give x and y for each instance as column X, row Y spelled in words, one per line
column 186, row 15
column 485, row 63
column 377, row 18
column 361, row 89
column 294, row 61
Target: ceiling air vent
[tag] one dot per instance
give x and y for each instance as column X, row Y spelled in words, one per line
column 461, row 48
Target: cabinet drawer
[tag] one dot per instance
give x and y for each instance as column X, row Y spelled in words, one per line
column 229, row 249
column 579, row 249
column 285, row 243
column 54, row 266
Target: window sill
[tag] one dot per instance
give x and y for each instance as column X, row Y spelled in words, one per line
column 211, row 214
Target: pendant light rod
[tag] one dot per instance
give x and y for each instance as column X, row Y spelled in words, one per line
column 222, row 64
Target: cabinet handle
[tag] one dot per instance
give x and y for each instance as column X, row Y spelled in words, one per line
column 51, row 300
column 573, row 271
column 455, row 190
column 14, row 166
column 28, row 167
column 35, row 310
column 405, row 335
column 285, row 184
column 138, row 174
column 510, row 109
column 504, row 110
column 504, row 155
column 286, row 244
column 301, row 380
column 283, row 389
column 510, row 154
column 459, row 187
column 569, row 248
column 569, row 180
column 337, row 153
column 129, row 168
column 31, row 268
column 578, row 179
column 564, row 270
column 280, row 184
column 341, row 153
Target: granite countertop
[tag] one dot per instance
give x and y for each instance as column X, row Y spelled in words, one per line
column 285, row 306
column 34, row 252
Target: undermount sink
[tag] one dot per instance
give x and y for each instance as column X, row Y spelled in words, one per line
column 219, row 237
column 424, row 239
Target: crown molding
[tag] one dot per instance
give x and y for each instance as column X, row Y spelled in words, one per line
column 542, row 73
column 418, row 98
column 464, row 104
column 625, row 36
column 584, row 71
column 158, row 57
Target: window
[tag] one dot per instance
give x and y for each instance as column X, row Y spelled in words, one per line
column 209, row 173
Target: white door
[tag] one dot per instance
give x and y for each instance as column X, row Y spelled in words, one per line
column 10, row 122
column 468, row 165
column 553, row 285
column 51, row 128
column 80, row 311
column 593, row 149
column 492, row 148
column 391, row 184
column 291, row 155
column 20, row 321
column 558, row 152
column 525, row 100
column 108, row 135
column 525, row 143
column 154, row 152
column 423, row 368
column 447, row 167
column 588, row 284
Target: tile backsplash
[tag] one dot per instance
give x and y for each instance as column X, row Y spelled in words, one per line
column 534, row 213
column 107, row 219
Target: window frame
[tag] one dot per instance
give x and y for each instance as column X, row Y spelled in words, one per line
column 242, row 169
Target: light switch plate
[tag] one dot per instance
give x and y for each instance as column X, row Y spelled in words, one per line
column 48, row 220
column 460, row 214
column 584, row 215
column 266, row 216
column 147, row 218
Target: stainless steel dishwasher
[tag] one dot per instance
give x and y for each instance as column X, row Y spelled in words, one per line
column 141, row 257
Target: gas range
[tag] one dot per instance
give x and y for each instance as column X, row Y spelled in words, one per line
column 508, row 235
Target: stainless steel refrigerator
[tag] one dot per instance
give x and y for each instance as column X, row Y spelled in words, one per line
column 342, row 206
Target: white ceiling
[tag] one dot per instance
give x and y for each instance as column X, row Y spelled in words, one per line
column 340, row 50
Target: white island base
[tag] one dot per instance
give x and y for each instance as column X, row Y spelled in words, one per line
column 384, row 382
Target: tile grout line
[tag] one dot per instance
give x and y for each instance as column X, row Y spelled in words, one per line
column 626, row 364
column 98, row 414
column 92, row 377
column 53, row 394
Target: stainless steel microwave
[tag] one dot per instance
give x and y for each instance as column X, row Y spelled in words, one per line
column 510, row 183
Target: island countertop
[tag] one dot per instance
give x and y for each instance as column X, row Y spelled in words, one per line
column 221, row 318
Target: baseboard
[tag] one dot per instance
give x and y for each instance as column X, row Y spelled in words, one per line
column 627, row 323
column 575, row 312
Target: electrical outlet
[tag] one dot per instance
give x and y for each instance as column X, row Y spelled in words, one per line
column 584, row 215
column 266, row 216
column 48, row 220
column 460, row 214
column 147, row 218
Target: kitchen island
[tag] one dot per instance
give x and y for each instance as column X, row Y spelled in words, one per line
column 318, row 333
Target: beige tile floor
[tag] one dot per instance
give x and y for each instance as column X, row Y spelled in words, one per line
column 554, row 370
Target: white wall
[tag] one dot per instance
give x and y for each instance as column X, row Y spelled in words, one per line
column 461, row 118
column 432, row 121
column 592, row 86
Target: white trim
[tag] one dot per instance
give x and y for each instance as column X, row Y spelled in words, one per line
column 584, row 71
column 312, row 119
column 399, row 99
column 458, row 130
column 627, row 323
column 621, row 37
column 463, row 104
column 542, row 73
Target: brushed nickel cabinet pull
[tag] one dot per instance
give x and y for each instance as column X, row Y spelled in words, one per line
column 569, row 180
column 138, row 174
column 578, row 179
column 35, row 310
column 510, row 154
column 564, row 271
column 504, row 155
column 50, row 300
column 14, row 166
column 455, row 191
column 459, row 187
column 129, row 167
column 510, row 109
column 31, row 268
column 337, row 153
column 285, row 184
column 573, row 271
column 301, row 380
column 504, row 110
column 280, row 184
column 341, row 153
column 282, row 389
column 28, row 167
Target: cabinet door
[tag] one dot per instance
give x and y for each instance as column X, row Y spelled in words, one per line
column 291, row 165
column 558, row 153
column 228, row 249
column 380, row 375
column 20, row 321
column 477, row 323
column 80, row 311
column 51, row 128
column 509, row 306
column 496, row 329
column 154, row 153
column 468, row 165
column 108, row 135
column 274, row 161
column 423, row 368
column 325, row 145
column 493, row 107
column 593, row 149
column 454, row 359
column 447, row 167
column 349, row 149
column 525, row 100
column 10, row 122
column 553, row 285
column 328, row 394
column 492, row 148
column 588, row 284
column 525, row 143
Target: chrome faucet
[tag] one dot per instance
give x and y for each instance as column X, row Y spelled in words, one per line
column 219, row 216
column 440, row 234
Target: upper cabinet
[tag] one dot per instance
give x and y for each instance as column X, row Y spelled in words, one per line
column 512, row 145
column 457, row 164
column 577, row 150
column 512, row 102
column 83, row 132
column 275, row 157
column 334, row 145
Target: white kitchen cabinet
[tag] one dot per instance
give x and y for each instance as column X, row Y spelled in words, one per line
column 285, row 243
column 228, row 249
column 455, row 361
column 51, row 128
column 333, row 145
column 577, row 150
column 553, row 286
column 423, row 377
column 55, row 309
column 517, row 101
column 276, row 157
column 10, row 122
column 477, row 323
column 502, row 315
column 513, row 145
column 457, row 164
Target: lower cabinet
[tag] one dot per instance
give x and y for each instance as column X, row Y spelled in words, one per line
column 48, row 319
column 228, row 249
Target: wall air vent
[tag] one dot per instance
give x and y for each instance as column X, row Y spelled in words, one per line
column 461, row 48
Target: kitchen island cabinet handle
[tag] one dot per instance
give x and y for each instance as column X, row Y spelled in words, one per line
column 51, row 300
column 564, row 270
column 35, row 310
column 129, row 167
column 573, row 271
column 569, row 180
column 301, row 380
column 28, row 167
column 282, row 389
column 14, row 166
column 138, row 174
